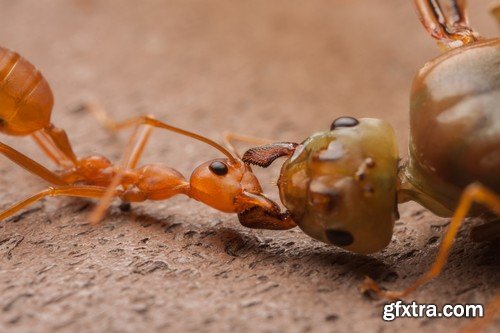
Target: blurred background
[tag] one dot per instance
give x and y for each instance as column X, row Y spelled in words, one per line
column 274, row 69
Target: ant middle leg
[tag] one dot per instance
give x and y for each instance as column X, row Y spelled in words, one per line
column 474, row 193
column 131, row 157
column 138, row 149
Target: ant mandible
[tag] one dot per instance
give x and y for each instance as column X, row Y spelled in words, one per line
column 343, row 186
column 226, row 184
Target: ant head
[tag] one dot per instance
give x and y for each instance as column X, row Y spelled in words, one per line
column 340, row 185
column 226, row 184
column 223, row 184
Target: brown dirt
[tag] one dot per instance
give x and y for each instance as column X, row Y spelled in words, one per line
column 268, row 68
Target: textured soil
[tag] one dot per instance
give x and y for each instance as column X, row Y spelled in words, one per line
column 288, row 68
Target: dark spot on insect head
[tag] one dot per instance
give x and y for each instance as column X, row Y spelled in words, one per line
column 344, row 122
column 360, row 175
column 368, row 189
column 218, row 168
column 339, row 237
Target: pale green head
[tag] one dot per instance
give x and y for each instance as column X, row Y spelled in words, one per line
column 340, row 185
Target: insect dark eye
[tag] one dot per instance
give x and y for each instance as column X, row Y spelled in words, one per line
column 339, row 237
column 218, row 168
column 344, row 122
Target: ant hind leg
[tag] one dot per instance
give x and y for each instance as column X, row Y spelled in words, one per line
column 474, row 193
column 30, row 165
column 81, row 191
column 49, row 148
column 61, row 141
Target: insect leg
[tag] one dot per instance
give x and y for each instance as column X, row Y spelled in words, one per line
column 459, row 10
column 100, row 114
column 99, row 212
column 113, row 126
column 60, row 139
column 139, row 147
column 30, row 165
column 81, row 191
column 431, row 16
column 447, row 27
column 474, row 193
column 50, row 149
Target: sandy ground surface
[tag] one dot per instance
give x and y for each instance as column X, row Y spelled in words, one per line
column 276, row 69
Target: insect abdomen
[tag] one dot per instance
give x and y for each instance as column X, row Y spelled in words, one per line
column 455, row 119
column 26, row 99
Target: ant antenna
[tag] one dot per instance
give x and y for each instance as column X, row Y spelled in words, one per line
column 114, row 126
column 157, row 123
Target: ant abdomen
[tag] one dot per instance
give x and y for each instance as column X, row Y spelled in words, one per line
column 26, row 99
column 454, row 118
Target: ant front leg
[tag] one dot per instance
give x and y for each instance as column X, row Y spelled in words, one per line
column 474, row 193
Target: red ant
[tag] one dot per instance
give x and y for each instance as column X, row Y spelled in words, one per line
column 226, row 184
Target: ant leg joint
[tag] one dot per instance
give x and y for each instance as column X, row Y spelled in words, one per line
column 51, row 191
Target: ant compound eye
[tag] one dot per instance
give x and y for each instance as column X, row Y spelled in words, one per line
column 218, row 168
column 344, row 122
column 339, row 237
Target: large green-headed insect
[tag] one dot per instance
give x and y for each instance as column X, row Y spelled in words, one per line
column 342, row 186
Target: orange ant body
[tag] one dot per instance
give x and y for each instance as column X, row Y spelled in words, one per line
column 26, row 103
column 226, row 184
